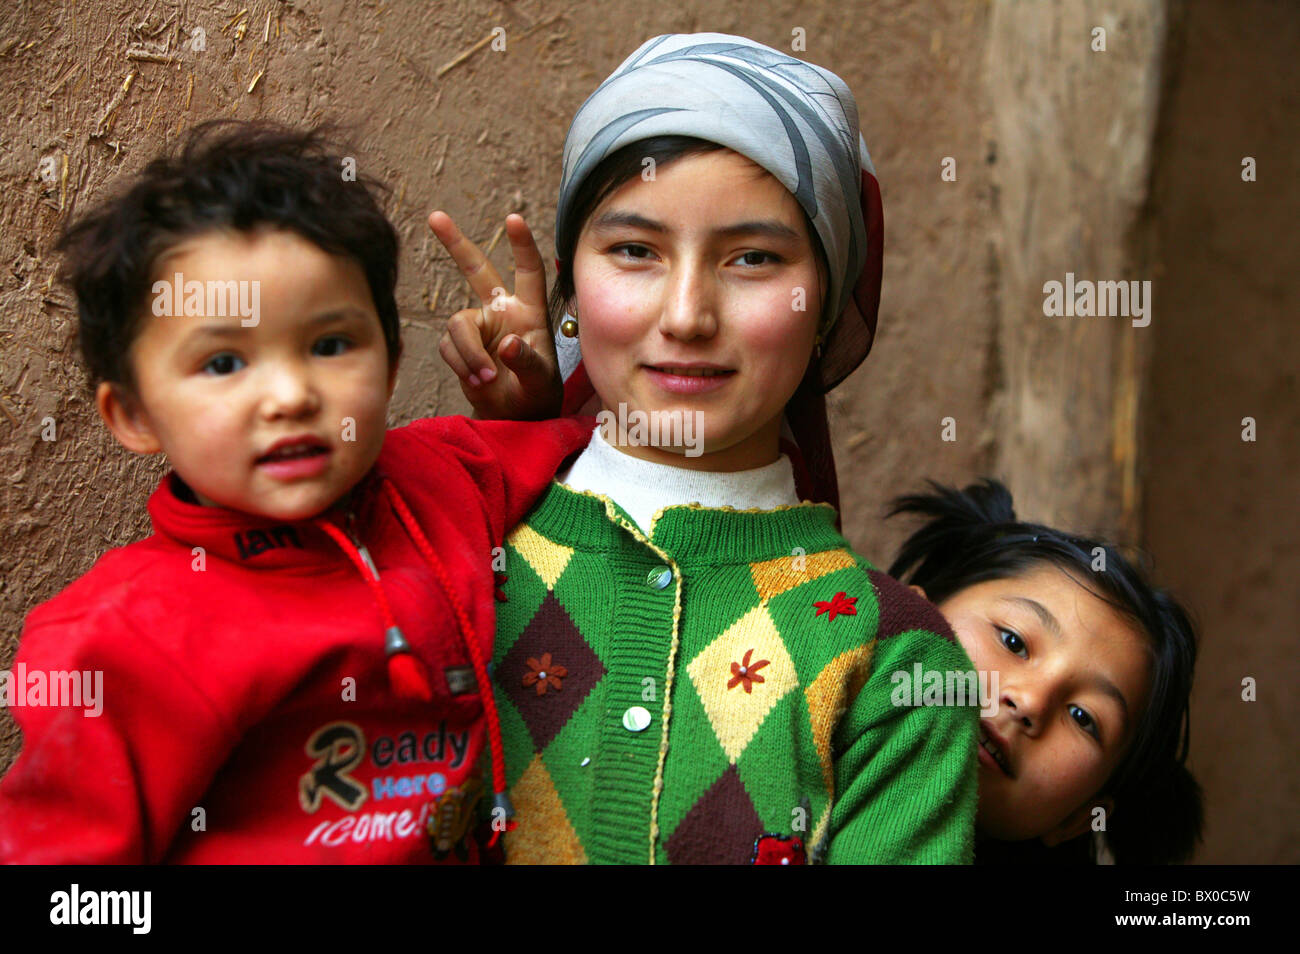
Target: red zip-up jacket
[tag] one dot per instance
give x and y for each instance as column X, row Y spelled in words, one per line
column 247, row 710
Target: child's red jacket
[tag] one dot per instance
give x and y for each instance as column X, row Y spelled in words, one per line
column 247, row 713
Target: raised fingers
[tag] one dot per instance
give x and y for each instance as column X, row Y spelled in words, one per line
column 447, row 348
column 465, row 353
column 530, row 273
column 474, row 265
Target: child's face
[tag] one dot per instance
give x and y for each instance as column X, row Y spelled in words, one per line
column 1072, row 679
column 217, row 396
column 709, row 265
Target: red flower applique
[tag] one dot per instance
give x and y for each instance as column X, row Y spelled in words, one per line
column 543, row 673
column 498, row 581
column 841, row 604
column 746, row 673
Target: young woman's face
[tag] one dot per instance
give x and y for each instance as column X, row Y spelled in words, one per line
column 1072, row 680
column 700, row 291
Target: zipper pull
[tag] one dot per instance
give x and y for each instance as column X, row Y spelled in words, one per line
column 361, row 547
column 365, row 556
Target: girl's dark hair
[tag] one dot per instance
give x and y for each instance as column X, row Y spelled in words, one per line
column 972, row 536
column 608, row 175
column 229, row 174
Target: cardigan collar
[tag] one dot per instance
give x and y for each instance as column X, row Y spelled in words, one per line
column 687, row 533
column 641, row 487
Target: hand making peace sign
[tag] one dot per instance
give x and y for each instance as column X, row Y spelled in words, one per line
column 502, row 352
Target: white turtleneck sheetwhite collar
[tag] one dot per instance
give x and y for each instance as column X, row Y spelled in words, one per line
column 643, row 487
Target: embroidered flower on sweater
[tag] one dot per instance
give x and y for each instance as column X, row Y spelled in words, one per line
column 543, row 673
column 746, row 673
column 841, row 604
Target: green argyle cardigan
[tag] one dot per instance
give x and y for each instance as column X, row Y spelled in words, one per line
column 721, row 692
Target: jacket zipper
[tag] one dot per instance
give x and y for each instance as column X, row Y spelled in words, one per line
column 361, row 547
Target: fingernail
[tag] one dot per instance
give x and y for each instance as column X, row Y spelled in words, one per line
column 473, row 379
column 487, row 374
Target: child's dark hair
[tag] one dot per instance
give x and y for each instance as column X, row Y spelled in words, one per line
column 973, row 536
column 228, row 175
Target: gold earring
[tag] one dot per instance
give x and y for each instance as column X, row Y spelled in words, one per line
column 569, row 326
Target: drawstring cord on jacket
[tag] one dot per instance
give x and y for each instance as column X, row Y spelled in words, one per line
column 406, row 672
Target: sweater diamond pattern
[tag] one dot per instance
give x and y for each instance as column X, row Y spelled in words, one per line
column 764, row 718
column 828, row 699
column 735, row 713
column 550, row 632
column 721, row 828
column 547, row 559
column 772, row 577
column 546, row 836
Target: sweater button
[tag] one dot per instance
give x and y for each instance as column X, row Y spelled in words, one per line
column 659, row 577
column 636, row 719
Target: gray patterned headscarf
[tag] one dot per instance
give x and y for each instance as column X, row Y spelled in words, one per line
column 796, row 120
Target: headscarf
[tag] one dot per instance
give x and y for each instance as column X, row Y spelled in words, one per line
column 800, row 123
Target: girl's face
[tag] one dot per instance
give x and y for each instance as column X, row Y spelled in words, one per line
column 1072, row 680
column 698, row 294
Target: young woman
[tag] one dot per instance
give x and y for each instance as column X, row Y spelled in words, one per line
column 692, row 664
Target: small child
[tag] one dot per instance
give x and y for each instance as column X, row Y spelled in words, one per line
column 1093, row 670
column 293, row 664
